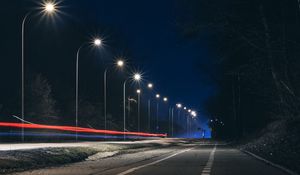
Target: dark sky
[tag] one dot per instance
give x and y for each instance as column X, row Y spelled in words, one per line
column 149, row 28
column 144, row 32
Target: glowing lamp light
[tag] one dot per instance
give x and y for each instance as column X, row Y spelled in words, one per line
column 49, row 7
column 157, row 96
column 179, row 105
column 150, row 85
column 165, row 99
column 184, row 108
column 137, row 77
column 97, row 42
column 194, row 114
column 120, row 63
column 138, row 91
column 189, row 111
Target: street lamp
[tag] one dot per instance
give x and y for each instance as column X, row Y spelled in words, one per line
column 120, row 64
column 189, row 122
column 150, row 86
column 172, row 121
column 165, row 99
column 137, row 78
column 179, row 106
column 138, row 91
column 157, row 108
column 97, row 43
column 48, row 8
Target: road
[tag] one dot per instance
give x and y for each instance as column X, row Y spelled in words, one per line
column 184, row 159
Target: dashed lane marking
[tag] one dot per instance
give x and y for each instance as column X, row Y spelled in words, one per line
column 208, row 166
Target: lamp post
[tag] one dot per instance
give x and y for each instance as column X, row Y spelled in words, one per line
column 179, row 106
column 157, row 108
column 136, row 77
column 119, row 63
column 138, row 91
column 97, row 42
column 172, row 119
column 150, row 86
column 165, row 100
column 193, row 115
column 48, row 8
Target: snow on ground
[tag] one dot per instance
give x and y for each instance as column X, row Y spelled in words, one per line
column 20, row 157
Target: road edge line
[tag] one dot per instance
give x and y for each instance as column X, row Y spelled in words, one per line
column 269, row 162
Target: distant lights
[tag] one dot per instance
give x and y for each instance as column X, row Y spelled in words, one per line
column 179, row 105
column 194, row 114
column 165, row 99
column 157, row 96
column 138, row 91
column 150, row 85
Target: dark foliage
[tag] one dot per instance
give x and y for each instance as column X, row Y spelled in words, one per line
column 258, row 49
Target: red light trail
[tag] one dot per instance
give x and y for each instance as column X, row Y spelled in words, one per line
column 76, row 129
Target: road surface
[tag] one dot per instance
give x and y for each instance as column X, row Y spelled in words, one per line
column 185, row 159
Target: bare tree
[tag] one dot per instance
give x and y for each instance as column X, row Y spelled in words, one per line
column 40, row 102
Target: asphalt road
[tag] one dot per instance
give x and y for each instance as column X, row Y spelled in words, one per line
column 185, row 159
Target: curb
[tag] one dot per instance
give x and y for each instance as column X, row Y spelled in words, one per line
column 270, row 163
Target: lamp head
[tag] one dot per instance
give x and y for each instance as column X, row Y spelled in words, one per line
column 137, row 77
column 165, row 99
column 120, row 63
column 150, row 85
column 49, row 7
column 97, row 42
column 179, row 105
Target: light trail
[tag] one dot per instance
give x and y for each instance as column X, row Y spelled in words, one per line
column 32, row 134
column 76, row 129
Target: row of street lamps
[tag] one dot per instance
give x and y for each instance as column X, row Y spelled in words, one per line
column 49, row 8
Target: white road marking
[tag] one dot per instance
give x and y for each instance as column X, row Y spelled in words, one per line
column 208, row 166
column 152, row 163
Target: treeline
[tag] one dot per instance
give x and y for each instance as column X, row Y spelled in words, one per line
column 45, row 104
column 258, row 47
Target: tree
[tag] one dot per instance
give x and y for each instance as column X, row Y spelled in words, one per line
column 257, row 45
column 40, row 104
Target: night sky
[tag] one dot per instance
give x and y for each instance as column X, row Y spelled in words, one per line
column 146, row 33
column 149, row 30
